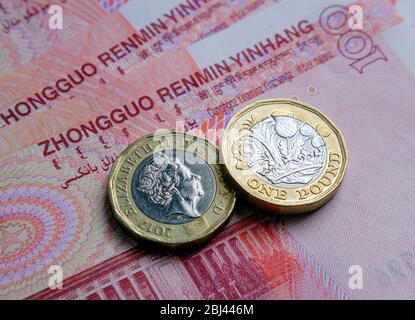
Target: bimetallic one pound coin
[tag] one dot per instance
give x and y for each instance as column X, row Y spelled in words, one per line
column 287, row 156
column 169, row 188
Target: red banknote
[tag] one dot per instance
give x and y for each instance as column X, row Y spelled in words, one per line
column 56, row 158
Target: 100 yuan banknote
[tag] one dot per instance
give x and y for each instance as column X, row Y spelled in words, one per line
column 82, row 164
column 90, row 237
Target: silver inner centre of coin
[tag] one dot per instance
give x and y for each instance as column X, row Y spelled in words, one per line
column 171, row 189
column 285, row 152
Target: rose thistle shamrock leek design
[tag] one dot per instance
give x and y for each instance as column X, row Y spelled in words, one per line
column 284, row 151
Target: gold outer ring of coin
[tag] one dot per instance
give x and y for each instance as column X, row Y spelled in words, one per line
column 262, row 192
column 140, row 224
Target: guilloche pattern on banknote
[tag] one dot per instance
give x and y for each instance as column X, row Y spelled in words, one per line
column 252, row 259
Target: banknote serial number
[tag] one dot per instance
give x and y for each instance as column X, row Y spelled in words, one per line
column 217, row 310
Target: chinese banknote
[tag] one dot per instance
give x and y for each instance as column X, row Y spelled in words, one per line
column 72, row 99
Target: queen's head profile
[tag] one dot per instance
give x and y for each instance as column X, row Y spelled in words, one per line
column 171, row 185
